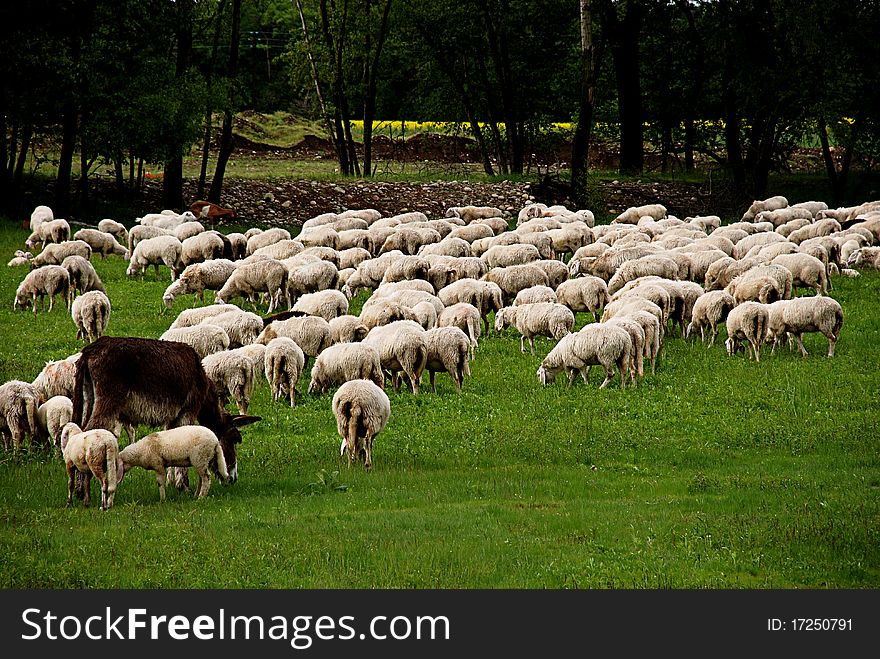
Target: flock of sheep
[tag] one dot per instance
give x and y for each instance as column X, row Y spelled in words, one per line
column 437, row 286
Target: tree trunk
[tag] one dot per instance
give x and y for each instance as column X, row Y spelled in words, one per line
column 172, row 180
column 209, row 110
column 61, row 205
column 580, row 146
column 371, row 68
column 226, row 145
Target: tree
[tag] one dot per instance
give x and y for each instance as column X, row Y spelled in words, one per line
column 226, row 145
column 581, row 143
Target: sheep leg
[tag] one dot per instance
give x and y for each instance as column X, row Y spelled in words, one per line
column 160, row 480
column 431, row 375
column 756, row 350
column 572, row 373
column 532, row 344
column 204, row 483
column 71, row 479
column 800, row 343
column 87, row 489
column 522, row 343
column 292, row 395
column 609, row 375
column 368, row 451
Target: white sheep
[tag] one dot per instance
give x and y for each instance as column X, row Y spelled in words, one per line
column 115, row 229
column 807, row 271
column 19, row 402
column 141, row 232
column 637, row 336
column 401, row 347
column 710, row 309
column 472, row 213
column 866, row 257
column 242, row 327
column 39, row 215
column 747, row 322
column 515, row 278
column 161, row 250
column 634, row 213
column 342, row 362
column 201, row 247
column 238, row 243
column 267, row 237
column 284, row 362
column 52, row 416
column 362, row 410
column 49, row 231
column 204, row 338
column 311, row 333
column 484, row 295
column 584, row 294
column 197, row 278
column 21, row 258
column 539, row 319
column 328, row 304
column 184, row 446
column 502, row 256
column 83, row 276
column 248, row 280
column 765, row 283
column 57, row 378
column 406, row 267
column 311, row 277
column 101, row 243
column 806, row 314
column 55, row 253
column 347, row 329
column 535, row 294
column 189, row 317
column 91, row 453
column 466, row 317
column 596, row 344
column 91, row 313
column 188, row 230
column 759, row 205
column 232, row 374
column 48, row 280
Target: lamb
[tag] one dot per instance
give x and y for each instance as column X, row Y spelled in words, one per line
column 91, row 453
column 21, row 258
column 83, row 276
column 56, row 253
column 472, row 213
column 264, row 238
column 806, row 314
column 115, row 229
column 540, row 319
column 242, row 327
column 183, row 446
column 91, row 313
column 710, row 309
column 204, row 338
column 535, row 294
column 401, row 347
column 328, row 304
column 311, row 333
column 596, row 344
column 232, row 374
column 807, row 271
column 342, row 362
column 197, row 278
column 347, row 329
column 448, row 350
column 189, row 317
column 143, row 232
column 262, row 276
column 769, row 204
column 161, row 250
column 201, row 247
column 19, row 402
column 747, row 321
column 101, row 243
column 362, row 411
column 465, row 317
column 52, row 416
column 48, row 280
column 57, row 378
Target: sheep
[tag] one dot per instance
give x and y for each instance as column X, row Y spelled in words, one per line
column 409, row 240
column 49, row 231
column 806, row 314
column 264, row 238
column 242, row 327
column 769, row 204
column 785, row 230
column 56, row 253
column 342, row 362
column 362, row 411
column 502, row 256
column 115, row 229
column 57, row 378
column 101, row 243
column 311, row 333
column 19, row 402
column 189, row 317
column 52, row 416
column 201, row 247
column 183, row 446
column 21, row 258
column 587, row 294
column 328, row 304
column 448, row 351
column 347, row 329
column 83, row 276
column 359, row 238
column 48, row 280
column 401, row 347
column 710, row 309
column 352, row 257
column 451, row 246
column 319, row 236
column 497, row 224
column 607, row 263
column 465, row 317
column 204, row 338
column 765, row 283
column 472, row 213
column 312, row 278
column 39, row 215
column 814, row 230
column 91, row 453
column 382, row 311
column 747, row 321
column 656, row 265
column 632, row 214
column 513, row 279
column 630, row 305
column 369, row 274
column 780, row 216
column 723, row 271
column 268, row 276
column 161, row 250
column 539, row 319
column 637, row 335
column 238, row 244
column 425, row 314
column 232, row 374
column 535, row 294
column 596, row 344
column 569, row 238
column 807, row 271
column 769, row 252
column 406, row 267
column 142, row 232
column 865, row 257
column 370, row 215
column 472, row 232
column 813, row 206
column 741, row 249
column 197, row 278
column 407, row 297
column 651, row 331
column 486, row 296
column 91, row 313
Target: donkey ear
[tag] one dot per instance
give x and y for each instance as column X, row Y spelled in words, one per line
column 242, row 420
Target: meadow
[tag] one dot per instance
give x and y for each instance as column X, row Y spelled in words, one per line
column 716, row 472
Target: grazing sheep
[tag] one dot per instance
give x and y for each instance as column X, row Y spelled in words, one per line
column 382, row 311
column 321, row 236
column 19, row 402
column 637, row 336
column 189, row 317
column 484, row 295
column 311, row 333
column 634, row 213
column 232, row 374
column 101, row 243
column 409, row 240
column 52, row 416
column 198, row 277
column 242, row 327
column 764, row 205
column 362, row 411
column 805, row 314
column 747, row 321
column 47, row 280
column 188, row 230
column 342, row 362
column 39, row 215
column 596, row 344
column 425, row 314
column 328, row 304
column 766, row 283
column 141, row 232
column 347, row 329
column 654, row 265
column 204, row 338
column 49, row 231
column 535, row 294
column 401, row 347
column 352, row 257
column 807, row 271
column 515, row 278
column 91, row 453
column 201, row 247
column 57, row 378
column 311, row 277
column 465, row 317
column 472, row 213
column 406, row 267
column 761, row 239
column 115, row 229
column 448, row 349
column 451, row 246
column 246, row 281
column 56, row 253
column 481, row 246
column 238, row 244
column 284, row 362
column 83, row 276
column 502, row 256
column 540, row 319
column 710, row 309
column 183, row 446
column 265, row 238
column 866, row 257
column 586, row 294
column 91, row 313
column 161, row 250
column 814, row 230
column 472, row 232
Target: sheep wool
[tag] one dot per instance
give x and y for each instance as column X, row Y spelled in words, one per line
column 342, row 362
column 747, row 322
column 91, row 453
column 448, row 351
column 284, row 362
column 91, row 314
column 362, row 411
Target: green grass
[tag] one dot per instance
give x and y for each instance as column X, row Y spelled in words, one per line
column 716, row 472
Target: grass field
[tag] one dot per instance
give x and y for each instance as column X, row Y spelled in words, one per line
column 715, row 472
